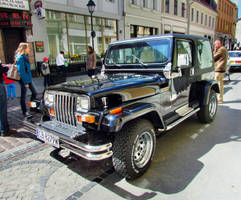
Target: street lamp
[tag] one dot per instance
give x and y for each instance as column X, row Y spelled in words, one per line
column 91, row 7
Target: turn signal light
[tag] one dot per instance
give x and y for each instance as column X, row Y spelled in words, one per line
column 79, row 119
column 51, row 111
column 32, row 104
column 116, row 111
column 86, row 118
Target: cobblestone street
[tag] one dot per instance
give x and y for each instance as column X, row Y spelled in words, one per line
column 30, row 169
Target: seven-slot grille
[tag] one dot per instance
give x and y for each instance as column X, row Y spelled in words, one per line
column 65, row 106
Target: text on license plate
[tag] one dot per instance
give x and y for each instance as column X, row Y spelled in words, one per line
column 47, row 137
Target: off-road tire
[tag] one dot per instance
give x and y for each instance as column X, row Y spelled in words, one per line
column 208, row 112
column 129, row 144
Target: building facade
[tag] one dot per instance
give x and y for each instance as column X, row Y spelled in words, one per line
column 66, row 26
column 202, row 17
column 226, row 21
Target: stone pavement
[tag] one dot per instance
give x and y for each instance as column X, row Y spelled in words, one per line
column 30, row 169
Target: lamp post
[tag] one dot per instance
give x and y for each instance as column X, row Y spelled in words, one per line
column 189, row 3
column 91, row 7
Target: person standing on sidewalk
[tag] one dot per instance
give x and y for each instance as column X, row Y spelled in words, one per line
column 4, row 127
column 46, row 72
column 220, row 59
column 10, row 87
column 91, row 62
column 24, row 70
column 60, row 62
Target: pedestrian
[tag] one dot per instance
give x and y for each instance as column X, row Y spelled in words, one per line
column 220, row 59
column 91, row 62
column 60, row 62
column 25, row 74
column 46, row 71
column 4, row 126
column 10, row 87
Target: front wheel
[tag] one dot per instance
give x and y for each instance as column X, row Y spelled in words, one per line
column 208, row 112
column 134, row 148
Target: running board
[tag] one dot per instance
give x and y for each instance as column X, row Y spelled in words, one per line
column 180, row 120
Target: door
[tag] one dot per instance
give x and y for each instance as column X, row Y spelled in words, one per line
column 11, row 38
column 181, row 72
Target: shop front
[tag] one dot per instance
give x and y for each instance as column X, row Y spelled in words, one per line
column 71, row 33
column 15, row 27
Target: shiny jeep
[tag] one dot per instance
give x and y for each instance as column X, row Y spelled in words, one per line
column 147, row 86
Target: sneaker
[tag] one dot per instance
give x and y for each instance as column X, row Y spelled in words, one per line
column 8, row 133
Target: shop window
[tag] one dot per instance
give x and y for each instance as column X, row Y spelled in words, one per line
column 183, row 9
column 57, row 34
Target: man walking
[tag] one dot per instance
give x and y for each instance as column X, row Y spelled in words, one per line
column 60, row 62
column 220, row 59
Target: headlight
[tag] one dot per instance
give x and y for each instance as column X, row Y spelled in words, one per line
column 83, row 104
column 48, row 99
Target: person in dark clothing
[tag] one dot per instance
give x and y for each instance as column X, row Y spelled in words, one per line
column 45, row 71
column 91, row 62
column 4, row 127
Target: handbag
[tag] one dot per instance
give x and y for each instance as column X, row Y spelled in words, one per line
column 13, row 72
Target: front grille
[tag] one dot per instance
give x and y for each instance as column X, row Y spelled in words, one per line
column 64, row 107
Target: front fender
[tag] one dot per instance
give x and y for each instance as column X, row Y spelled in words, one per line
column 210, row 85
column 115, row 122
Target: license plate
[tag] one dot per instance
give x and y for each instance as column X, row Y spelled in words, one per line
column 48, row 137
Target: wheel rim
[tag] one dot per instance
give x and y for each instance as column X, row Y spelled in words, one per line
column 143, row 149
column 212, row 106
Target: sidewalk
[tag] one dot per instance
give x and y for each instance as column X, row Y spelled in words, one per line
column 39, row 83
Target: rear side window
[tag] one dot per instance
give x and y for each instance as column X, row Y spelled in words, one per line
column 205, row 56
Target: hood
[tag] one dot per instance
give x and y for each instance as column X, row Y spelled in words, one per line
column 107, row 83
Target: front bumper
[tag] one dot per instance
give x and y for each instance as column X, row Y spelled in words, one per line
column 88, row 152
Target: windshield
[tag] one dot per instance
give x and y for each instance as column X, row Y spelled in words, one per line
column 234, row 54
column 143, row 52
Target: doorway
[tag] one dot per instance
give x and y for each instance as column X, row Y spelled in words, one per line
column 11, row 40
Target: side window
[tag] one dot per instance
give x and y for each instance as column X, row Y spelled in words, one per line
column 205, row 57
column 183, row 54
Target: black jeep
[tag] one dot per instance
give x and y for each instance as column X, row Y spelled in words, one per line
column 147, row 86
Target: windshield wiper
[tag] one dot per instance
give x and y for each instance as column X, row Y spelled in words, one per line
column 139, row 60
column 112, row 63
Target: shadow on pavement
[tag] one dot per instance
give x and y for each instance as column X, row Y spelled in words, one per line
column 176, row 162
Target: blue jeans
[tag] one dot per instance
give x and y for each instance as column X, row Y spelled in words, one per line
column 24, row 93
column 4, row 127
column 11, row 90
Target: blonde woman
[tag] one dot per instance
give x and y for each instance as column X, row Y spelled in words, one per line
column 24, row 70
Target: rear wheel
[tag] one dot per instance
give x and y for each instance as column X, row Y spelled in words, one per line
column 208, row 112
column 134, row 148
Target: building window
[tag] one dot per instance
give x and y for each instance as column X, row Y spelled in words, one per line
column 112, row 1
column 145, row 3
column 183, row 9
column 209, row 21
column 197, row 19
column 154, row 4
column 192, row 14
column 175, row 7
column 167, row 6
column 202, row 18
column 206, row 19
column 140, row 31
column 213, row 22
column 134, row 2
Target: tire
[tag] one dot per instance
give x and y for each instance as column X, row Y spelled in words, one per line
column 208, row 112
column 133, row 148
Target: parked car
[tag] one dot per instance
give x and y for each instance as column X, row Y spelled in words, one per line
column 234, row 60
column 149, row 86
